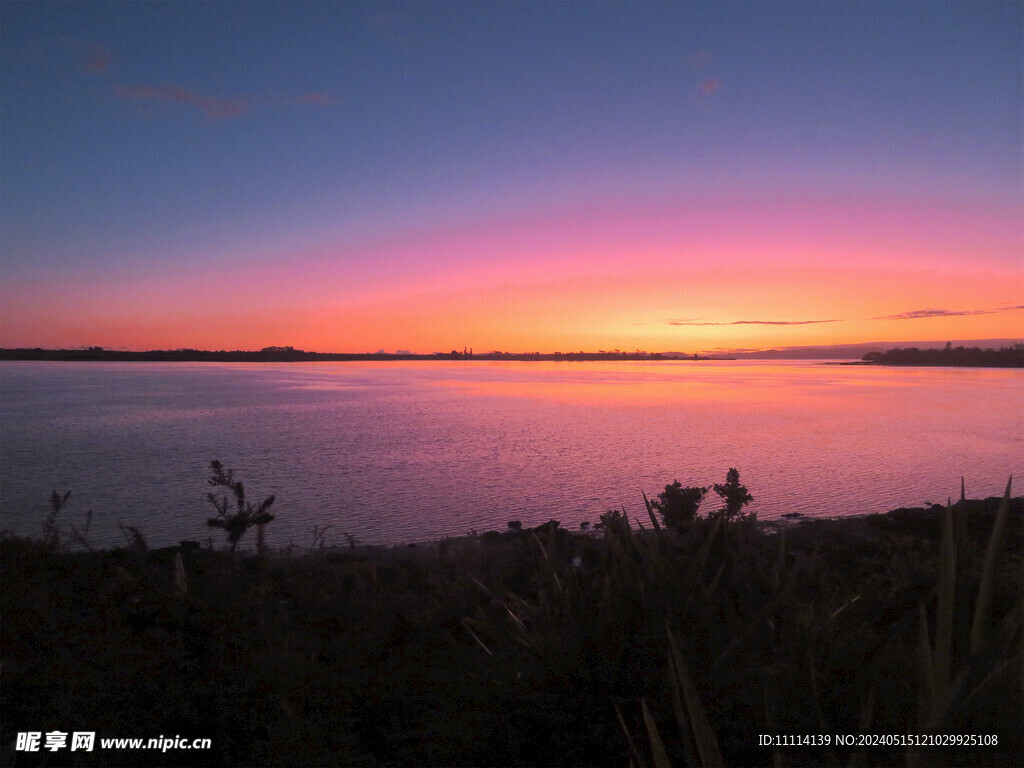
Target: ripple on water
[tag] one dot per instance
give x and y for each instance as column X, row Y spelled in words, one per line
column 396, row 452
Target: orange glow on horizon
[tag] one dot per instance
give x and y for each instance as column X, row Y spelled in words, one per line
column 675, row 311
column 669, row 276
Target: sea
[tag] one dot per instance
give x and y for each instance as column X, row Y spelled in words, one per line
column 403, row 452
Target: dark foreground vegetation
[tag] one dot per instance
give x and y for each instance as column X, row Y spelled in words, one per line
column 633, row 644
column 1007, row 357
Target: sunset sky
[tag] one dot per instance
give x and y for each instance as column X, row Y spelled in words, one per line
column 347, row 177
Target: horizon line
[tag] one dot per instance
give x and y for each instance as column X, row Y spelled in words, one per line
column 468, row 351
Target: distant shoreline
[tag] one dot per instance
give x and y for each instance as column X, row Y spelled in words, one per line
column 959, row 357
column 288, row 355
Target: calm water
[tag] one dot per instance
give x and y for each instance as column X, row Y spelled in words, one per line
column 394, row 452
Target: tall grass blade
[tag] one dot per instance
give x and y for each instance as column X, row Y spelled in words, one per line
column 780, row 563
column 867, row 712
column 516, row 619
column 969, row 685
column 633, row 751
column 659, row 552
column 83, row 538
column 549, row 563
column 680, row 712
column 812, row 675
column 961, row 518
column 703, row 733
column 553, row 537
column 480, row 642
column 540, row 544
column 650, row 511
column 927, row 702
column 988, row 572
column 942, row 662
column 712, row 586
column 657, row 746
column 694, row 573
column 962, row 628
column 482, row 586
column 842, row 608
column 178, row 578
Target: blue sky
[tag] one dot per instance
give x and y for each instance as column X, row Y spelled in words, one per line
column 148, row 140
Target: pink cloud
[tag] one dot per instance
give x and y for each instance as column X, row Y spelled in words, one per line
column 753, row 322
column 917, row 314
column 709, row 86
column 93, row 58
column 97, row 59
column 211, row 106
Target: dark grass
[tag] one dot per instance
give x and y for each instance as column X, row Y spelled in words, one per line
column 499, row 650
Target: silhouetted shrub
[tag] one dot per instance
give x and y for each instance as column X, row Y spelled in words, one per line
column 679, row 505
column 247, row 514
column 51, row 531
column 735, row 496
column 612, row 520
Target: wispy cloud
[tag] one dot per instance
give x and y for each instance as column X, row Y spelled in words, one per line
column 92, row 58
column 709, row 86
column 914, row 315
column 752, row 322
column 214, row 107
column 97, row 59
column 211, row 106
column 923, row 313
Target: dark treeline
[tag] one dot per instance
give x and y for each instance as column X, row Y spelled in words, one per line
column 1007, row 357
column 292, row 355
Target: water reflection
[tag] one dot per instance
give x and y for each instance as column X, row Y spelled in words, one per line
column 407, row 451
